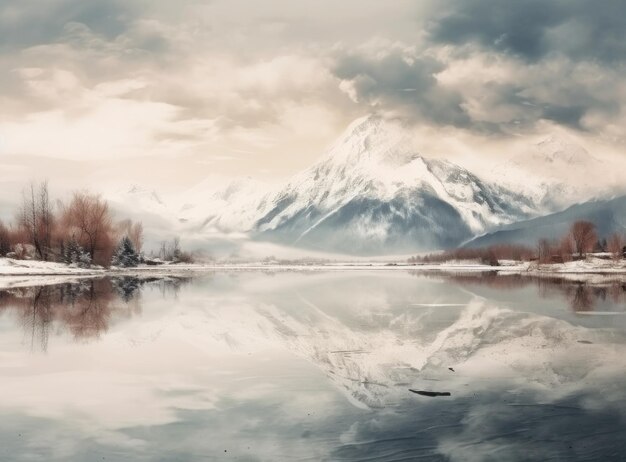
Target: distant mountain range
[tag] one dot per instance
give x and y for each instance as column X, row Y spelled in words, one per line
column 372, row 193
column 609, row 216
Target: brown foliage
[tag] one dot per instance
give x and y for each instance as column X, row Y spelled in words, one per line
column 581, row 238
column 88, row 220
column 488, row 255
column 39, row 233
column 84, row 310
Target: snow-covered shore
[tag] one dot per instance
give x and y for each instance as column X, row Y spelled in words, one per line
column 22, row 272
column 10, row 267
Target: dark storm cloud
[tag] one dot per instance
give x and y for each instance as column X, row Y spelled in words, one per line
column 407, row 84
column 403, row 82
column 567, row 106
column 30, row 22
column 534, row 29
column 570, row 115
column 491, row 67
column 559, row 61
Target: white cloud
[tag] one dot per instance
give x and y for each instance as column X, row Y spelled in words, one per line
column 197, row 81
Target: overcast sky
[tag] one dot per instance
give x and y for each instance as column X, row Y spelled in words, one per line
column 165, row 93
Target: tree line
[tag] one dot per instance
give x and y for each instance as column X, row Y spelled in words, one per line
column 581, row 239
column 81, row 231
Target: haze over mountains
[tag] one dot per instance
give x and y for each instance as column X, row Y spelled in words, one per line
column 374, row 193
column 609, row 216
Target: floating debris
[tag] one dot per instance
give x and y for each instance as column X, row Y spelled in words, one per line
column 430, row 393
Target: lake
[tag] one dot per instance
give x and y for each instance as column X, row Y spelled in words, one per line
column 308, row 366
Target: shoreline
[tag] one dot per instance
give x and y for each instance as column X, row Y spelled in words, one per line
column 20, row 272
column 40, row 268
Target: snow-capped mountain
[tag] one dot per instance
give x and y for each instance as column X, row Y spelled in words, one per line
column 555, row 153
column 374, row 193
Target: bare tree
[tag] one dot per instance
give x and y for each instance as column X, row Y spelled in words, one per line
column 36, row 219
column 163, row 250
column 544, row 251
column 46, row 220
column 88, row 220
column 615, row 245
column 27, row 217
column 584, row 237
column 172, row 251
column 136, row 235
column 5, row 239
column 134, row 231
column 566, row 248
column 175, row 249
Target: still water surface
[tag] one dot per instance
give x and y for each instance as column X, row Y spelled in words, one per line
column 313, row 366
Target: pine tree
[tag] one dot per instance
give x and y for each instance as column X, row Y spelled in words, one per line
column 74, row 254
column 125, row 255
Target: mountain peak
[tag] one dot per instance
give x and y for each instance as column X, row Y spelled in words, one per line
column 140, row 191
column 558, row 149
column 373, row 139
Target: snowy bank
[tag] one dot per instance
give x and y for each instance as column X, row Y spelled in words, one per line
column 10, row 267
column 19, row 272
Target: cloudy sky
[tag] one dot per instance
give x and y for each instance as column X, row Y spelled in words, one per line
column 166, row 93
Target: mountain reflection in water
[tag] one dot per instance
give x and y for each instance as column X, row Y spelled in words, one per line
column 314, row 366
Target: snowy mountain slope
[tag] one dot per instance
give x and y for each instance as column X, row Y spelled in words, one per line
column 556, row 172
column 148, row 201
column 218, row 205
column 144, row 205
column 373, row 193
column 212, row 215
column 609, row 216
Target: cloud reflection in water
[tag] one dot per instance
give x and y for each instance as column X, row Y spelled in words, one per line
column 316, row 365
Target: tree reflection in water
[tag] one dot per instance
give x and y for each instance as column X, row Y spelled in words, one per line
column 580, row 295
column 85, row 309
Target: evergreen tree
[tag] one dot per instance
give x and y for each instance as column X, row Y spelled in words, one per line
column 125, row 255
column 73, row 253
column 126, row 286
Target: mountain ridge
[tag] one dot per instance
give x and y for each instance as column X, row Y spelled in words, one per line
column 372, row 193
column 606, row 214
